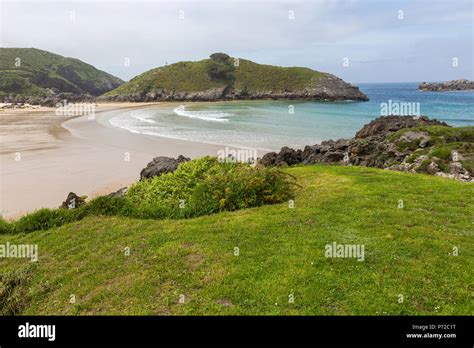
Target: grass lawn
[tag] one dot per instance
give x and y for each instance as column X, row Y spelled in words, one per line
column 281, row 252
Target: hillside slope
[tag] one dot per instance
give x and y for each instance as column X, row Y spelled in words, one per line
column 224, row 78
column 28, row 72
column 408, row 252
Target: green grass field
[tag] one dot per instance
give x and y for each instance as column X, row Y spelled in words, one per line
column 190, row 267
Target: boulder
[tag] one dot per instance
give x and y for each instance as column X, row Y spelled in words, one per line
column 269, row 159
column 161, row 165
column 333, row 156
column 313, row 158
column 433, row 168
column 289, row 156
column 421, row 138
column 119, row 193
column 72, row 201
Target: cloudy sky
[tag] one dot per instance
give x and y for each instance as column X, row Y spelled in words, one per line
column 357, row 40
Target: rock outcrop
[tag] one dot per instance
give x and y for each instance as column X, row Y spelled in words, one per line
column 119, row 193
column 72, row 201
column 401, row 143
column 329, row 88
column 454, row 85
column 52, row 99
column 161, row 165
column 381, row 126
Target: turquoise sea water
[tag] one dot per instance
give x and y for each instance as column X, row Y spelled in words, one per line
column 270, row 125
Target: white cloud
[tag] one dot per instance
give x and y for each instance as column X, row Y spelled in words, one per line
column 150, row 33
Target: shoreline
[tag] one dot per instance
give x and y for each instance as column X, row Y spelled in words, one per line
column 75, row 154
column 62, row 154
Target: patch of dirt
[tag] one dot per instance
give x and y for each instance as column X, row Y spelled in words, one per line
column 225, row 302
column 194, row 260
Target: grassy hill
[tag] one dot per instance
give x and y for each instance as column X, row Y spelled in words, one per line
column 30, row 71
column 193, row 77
column 408, row 251
column 235, row 78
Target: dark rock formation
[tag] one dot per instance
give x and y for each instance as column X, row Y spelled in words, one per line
column 72, row 201
column 383, row 125
column 334, row 89
column 161, row 165
column 455, row 85
column 51, row 100
column 372, row 146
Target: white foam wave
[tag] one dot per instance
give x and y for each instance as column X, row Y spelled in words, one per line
column 142, row 119
column 215, row 116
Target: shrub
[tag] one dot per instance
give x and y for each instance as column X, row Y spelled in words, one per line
column 197, row 187
column 220, row 56
column 5, row 227
column 170, row 188
column 220, row 67
column 44, row 219
column 105, row 205
column 238, row 187
column 205, row 186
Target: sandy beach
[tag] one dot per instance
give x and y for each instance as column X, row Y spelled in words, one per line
column 43, row 156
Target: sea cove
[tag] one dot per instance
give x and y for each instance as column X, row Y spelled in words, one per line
column 269, row 125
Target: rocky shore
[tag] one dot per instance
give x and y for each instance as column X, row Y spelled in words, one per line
column 327, row 88
column 455, row 85
column 403, row 143
column 334, row 90
column 53, row 98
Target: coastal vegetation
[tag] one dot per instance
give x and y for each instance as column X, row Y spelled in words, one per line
column 34, row 72
column 199, row 187
column 222, row 77
column 34, row 76
column 219, row 72
column 250, row 261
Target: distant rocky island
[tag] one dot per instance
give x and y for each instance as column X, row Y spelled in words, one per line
column 222, row 77
column 454, row 85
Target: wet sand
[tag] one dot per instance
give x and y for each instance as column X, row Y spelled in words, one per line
column 43, row 157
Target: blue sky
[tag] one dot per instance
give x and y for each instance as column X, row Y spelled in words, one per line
column 380, row 40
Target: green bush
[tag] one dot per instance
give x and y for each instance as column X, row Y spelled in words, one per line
column 220, row 67
column 206, row 186
column 4, row 226
column 198, row 187
column 238, row 187
column 106, row 206
column 170, row 188
column 44, row 219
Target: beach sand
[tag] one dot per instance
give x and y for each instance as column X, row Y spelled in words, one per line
column 43, row 157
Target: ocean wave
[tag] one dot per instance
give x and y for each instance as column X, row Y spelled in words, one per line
column 214, row 116
column 142, row 118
